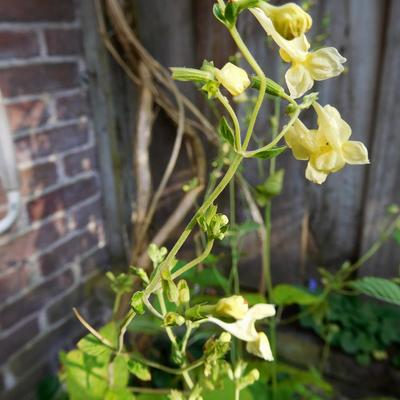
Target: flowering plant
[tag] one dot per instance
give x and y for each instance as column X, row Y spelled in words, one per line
column 101, row 366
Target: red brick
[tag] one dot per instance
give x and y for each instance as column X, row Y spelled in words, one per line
column 26, row 387
column 67, row 252
column 38, row 177
column 87, row 214
column 64, row 42
column 36, row 10
column 27, row 114
column 72, row 106
column 61, row 198
column 17, row 339
column 12, row 281
column 51, row 141
column 41, row 78
column 19, row 250
column 83, row 161
column 18, row 44
column 46, row 346
column 35, row 299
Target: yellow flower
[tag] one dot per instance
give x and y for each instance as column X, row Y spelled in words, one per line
column 290, row 20
column 234, row 306
column 244, row 329
column 306, row 67
column 234, row 79
column 327, row 149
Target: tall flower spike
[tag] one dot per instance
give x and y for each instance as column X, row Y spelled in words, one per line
column 244, row 329
column 327, row 149
column 306, row 67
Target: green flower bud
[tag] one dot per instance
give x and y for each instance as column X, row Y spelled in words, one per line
column 173, row 319
column 184, row 292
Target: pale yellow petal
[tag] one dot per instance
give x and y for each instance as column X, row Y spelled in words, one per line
column 260, row 347
column 314, row 175
column 325, row 63
column 329, row 125
column 330, row 161
column 343, row 128
column 298, row 80
column 355, row 153
column 294, row 49
column 302, row 141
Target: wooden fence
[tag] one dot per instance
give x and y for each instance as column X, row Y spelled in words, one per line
column 314, row 225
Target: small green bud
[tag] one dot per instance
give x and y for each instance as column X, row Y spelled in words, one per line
column 393, row 209
column 184, row 292
column 156, row 254
column 173, row 319
column 249, row 379
column 137, row 302
column 140, row 273
column 170, row 290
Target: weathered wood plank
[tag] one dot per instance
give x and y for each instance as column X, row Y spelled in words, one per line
column 384, row 177
column 355, row 29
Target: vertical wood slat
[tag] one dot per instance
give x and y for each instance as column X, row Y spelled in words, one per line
column 336, row 206
column 384, row 177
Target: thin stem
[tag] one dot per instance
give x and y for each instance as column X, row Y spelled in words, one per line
column 384, row 236
column 196, row 261
column 93, row 331
column 125, row 323
column 224, row 101
column 263, row 82
column 237, row 393
column 150, row 307
column 185, row 234
column 295, row 116
column 234, row 241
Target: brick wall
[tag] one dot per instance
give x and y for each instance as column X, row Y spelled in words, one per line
column 50, row 256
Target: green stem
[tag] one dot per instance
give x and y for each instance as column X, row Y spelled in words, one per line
column 263, row 82
column 224, row 101
column 196, row 261
column 217, row 191
column 237, row 393
column 125, row 323
column 295, row 116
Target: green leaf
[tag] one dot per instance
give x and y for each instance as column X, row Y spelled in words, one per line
column 140, row 370
column 119, row 394
column 270, row 153
column 284, row 294
column 120, row 371
column 226, row 131
column 254, row 298
column 396, row 235
column 137, row 302
column 84, row 377
column 209, row 276
column 93, row 347
column 348, row 342
column 379, row 288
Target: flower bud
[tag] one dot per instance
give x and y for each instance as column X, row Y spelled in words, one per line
column 234, row 306
column 290, row 20
column 173, row 318
column 234, row 79
column 225, row 337
column 184, row 292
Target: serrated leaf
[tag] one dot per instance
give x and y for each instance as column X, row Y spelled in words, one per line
column 120, row 371
column 140, row 370
column 226, row 131
column 270, row 153
column 379, row 288
column 288, row 294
